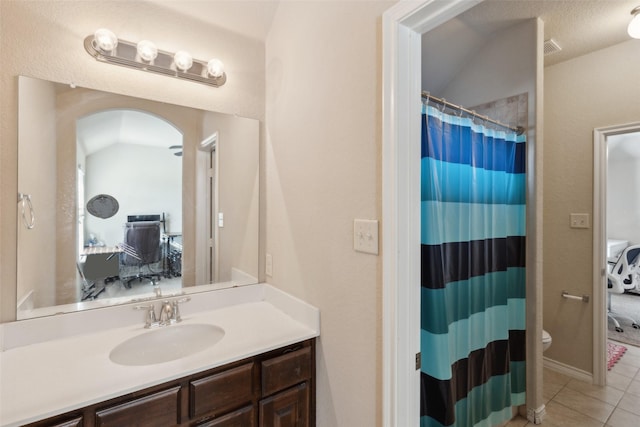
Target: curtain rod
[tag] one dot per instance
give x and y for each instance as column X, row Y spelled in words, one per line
column 428, row 97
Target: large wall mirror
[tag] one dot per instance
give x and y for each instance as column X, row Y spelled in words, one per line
column 123, row 199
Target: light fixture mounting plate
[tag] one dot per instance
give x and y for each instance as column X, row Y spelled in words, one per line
column 126, row 54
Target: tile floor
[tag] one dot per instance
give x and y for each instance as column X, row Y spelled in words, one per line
column 573, row 403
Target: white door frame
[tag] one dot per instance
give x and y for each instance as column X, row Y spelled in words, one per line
column 600, row 136
column 403, row 26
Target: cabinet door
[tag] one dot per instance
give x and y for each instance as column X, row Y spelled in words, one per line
column 157, row 409
column 289, row 408
column 244, row 417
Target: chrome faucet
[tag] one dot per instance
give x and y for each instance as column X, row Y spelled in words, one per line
column 166, row 313
column 169, row 313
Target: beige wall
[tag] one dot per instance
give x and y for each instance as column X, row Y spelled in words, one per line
column 38, row 179
column 323, row 170
column 594, row 90
column 44, row 39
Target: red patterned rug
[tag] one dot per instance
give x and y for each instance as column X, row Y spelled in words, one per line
column 614, row 353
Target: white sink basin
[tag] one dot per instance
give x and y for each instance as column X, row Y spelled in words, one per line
column 166, row 344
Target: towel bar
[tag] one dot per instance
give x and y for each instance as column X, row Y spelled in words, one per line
column 584, row 298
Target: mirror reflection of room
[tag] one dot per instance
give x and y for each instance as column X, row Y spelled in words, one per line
column 623, row 238
column 130, row 199
column 124, row 247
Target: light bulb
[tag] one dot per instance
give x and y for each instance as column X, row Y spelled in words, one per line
column 634, row 26
column 147, row 50
column 183, row 60
column 105, row 39
column 215, row 68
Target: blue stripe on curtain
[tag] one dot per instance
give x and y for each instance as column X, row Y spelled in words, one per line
column 485, row 183
column 468, row 221
column 473, row 194
column 467, row 297
column 470, row 144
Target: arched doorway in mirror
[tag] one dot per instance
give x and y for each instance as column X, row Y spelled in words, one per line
column 129, row 200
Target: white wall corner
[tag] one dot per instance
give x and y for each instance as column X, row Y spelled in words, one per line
column 536, row 416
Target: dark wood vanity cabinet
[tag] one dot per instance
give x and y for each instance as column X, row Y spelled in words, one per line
column 162, row 407
column 287, row 408
column 272, row 389
column 285, row 388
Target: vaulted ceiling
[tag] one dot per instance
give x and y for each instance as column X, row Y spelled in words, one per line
column 578, row 26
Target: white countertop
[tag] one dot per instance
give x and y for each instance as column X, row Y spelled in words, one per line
column 40, row 378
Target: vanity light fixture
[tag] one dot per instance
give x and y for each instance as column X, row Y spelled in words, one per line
column 147, row 50
column 144, row 55
column 183, row 60
column 215, row 68
column 634, row 26
column 105, row 39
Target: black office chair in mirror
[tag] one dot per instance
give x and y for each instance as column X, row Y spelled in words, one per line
column 130, row 199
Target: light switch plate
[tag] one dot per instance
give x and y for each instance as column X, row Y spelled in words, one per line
column 579, row 220
column 365, row 236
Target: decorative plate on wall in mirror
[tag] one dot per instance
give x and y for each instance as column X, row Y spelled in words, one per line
column 103, row 206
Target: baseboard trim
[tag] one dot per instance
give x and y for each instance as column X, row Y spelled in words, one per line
column 567, row 370
column 536, row 416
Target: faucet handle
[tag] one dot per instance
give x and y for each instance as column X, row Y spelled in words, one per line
column 150, row 318
column 176, row 308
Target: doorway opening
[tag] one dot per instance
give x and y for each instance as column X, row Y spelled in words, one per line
column 616, row 282
column 403, row 26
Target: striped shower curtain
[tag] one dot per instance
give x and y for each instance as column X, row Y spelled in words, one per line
column 472, row 273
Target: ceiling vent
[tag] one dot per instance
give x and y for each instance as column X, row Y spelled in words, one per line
column 551, row 46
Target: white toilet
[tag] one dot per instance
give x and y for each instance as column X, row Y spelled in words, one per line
column 546, row 340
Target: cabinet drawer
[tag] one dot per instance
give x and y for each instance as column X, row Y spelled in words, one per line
column 223, row 391
column 60, row 421
column 76, row 422
column 244, row 417
column 286, row 370
column 157, row 409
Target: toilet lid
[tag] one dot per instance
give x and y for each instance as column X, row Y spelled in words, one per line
column 545, row 336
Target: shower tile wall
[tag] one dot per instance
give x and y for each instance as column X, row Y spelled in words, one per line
column 512, row 111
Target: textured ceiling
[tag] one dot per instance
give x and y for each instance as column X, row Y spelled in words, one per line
column 578, row 26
